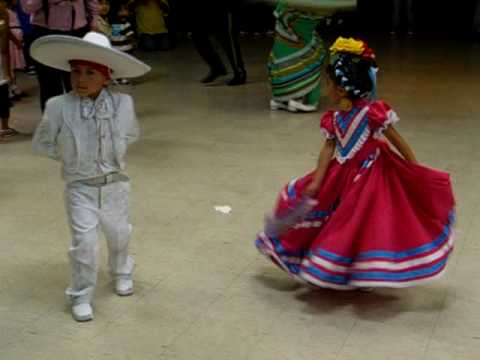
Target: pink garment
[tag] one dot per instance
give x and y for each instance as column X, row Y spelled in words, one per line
column 17, row 60
column 60, row 15
column 377, row 221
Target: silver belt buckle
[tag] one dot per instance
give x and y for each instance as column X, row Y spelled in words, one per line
column 108, row 179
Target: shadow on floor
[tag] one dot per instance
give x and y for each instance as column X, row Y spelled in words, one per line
column 283, row 284
column 16, row 139
column 378, row 305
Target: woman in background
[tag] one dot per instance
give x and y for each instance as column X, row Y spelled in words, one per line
column 48, row 17
column 296, row 58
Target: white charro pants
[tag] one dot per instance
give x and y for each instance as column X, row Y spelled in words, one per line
column 89, row 209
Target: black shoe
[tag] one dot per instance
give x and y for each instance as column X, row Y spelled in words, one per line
column 213, row 75
column 239, row 78
column 30, row 70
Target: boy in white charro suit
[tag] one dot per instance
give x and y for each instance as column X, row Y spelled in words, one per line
column 88, row 131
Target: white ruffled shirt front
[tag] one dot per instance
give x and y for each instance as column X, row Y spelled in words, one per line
column 90, row 137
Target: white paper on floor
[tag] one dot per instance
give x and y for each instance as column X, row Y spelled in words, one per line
column 224, row 209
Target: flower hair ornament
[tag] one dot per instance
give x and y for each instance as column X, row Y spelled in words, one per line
column 348, row 55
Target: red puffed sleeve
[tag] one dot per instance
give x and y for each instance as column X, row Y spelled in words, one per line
column 326, row 125
column 380, row 117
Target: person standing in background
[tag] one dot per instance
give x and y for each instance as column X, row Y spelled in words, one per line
column 218, row 18
column 103, row 25
column 61, row 17
column 17, row 61
column 476, row 20
column 27, row 31
column 123, row 35
column 151, row 19
column 397, row 15
column 5, row 130
column 296, row 58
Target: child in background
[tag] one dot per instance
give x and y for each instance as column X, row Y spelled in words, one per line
column 123, row 33
column 152, row 28
column 17, row 60
column 5, row 73
column 103, row 24
column 28, row 37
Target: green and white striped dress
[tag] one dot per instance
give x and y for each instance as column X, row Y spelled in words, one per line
column 297, row 56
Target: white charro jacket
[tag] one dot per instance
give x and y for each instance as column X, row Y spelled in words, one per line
column 89, row 137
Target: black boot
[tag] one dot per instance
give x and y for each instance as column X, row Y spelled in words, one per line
column 213, row 75
column 239, row 78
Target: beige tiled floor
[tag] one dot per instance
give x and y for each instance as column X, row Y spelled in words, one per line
column 202, row 291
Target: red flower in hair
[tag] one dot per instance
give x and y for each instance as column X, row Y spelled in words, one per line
column 367, row 52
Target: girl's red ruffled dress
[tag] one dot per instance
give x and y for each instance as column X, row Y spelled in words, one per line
column 377, row 221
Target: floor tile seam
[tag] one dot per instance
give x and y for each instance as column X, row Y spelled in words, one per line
column 24, row 333
column 462, row 248
column 347, row 337
column 103, row 328
column 157, row 284
column 137, row 300
column 53, row 308
column 435, row 326
column 13, row 342
column 208, row 306
column 236, row 278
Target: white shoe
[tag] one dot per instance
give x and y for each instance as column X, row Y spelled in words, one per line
column 124, row 287
column 295, row 106
column 277, row 105
column 82, row 312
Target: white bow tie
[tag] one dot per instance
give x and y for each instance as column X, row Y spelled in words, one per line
column 101, row 108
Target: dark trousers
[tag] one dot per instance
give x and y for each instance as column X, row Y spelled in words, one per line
column 154, row 42
column 4, row 103
column 476, row 17
column 27, row 41
column 53, row 82
column 397, row 13
column 221, row 22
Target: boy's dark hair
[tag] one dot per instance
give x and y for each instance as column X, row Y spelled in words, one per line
column 352, row 73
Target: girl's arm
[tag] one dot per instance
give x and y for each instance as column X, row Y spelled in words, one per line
column 400, row 144
column 324, row 159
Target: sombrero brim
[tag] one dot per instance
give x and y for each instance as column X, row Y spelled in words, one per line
column 57, row 50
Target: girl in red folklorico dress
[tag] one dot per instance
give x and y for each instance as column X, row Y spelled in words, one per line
column 366, row 217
